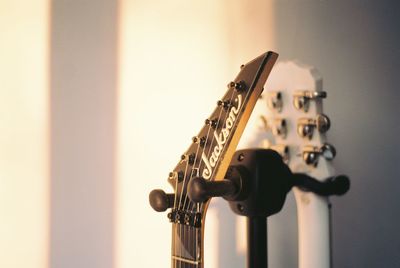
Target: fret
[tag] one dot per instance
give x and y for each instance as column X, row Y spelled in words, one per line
column 183, row 264
column 186, row 246
column 180, row 259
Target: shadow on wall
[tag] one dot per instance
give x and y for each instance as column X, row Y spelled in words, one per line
column 355, row 46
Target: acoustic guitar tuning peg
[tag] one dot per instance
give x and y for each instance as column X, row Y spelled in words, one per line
column 311, row 154
column 301, row 98
column 306, row 126
column 274, row 101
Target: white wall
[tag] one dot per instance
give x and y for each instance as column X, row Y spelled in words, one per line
column 174, row 63
column 59, row 155
column 24, row 118
column 176, row 58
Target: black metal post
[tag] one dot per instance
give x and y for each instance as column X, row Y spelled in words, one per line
column 257, row 251
column 256, row 185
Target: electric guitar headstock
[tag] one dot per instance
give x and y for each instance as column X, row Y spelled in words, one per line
column 209, row 156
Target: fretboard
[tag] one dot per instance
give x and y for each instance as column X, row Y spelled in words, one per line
column 186, row 247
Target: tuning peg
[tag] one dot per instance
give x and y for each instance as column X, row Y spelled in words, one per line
column 306, row 126
column 160, row 201
column 301, row 98
column 311, row 154
column 173, row 176
column 239, row 86
column 274, row 101
column 277, row 126
column 189, row 158
column 328, row 151
column 224, row 104
column 201, row 141
column 213, row 123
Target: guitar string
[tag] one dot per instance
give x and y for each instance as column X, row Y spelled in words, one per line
column 191, row 175
column 197, row 153
column 184, row 178
column 182, row 230
column 183, row 237
column 174, row 245
column 193, row 248
column 173, row 249
column 210, row 148
column 182, row 233
column 176, row 187
column 208, row 154
column 213, row 137
column 174, row 229
column 247, row 96
column 236, row 122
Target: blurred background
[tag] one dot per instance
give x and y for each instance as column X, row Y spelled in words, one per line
column 93, row 93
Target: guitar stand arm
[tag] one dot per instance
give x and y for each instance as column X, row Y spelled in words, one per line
column 256, row 185
column 337, row 185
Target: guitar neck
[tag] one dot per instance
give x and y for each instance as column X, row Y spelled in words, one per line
column 187, row 246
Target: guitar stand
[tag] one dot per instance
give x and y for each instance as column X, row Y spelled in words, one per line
column 256, row 185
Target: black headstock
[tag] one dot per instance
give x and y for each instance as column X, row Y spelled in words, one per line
column 211, row 150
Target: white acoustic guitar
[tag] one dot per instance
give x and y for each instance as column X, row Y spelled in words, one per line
column 289, row 118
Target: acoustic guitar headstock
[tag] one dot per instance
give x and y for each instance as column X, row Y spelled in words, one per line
column 289, row 119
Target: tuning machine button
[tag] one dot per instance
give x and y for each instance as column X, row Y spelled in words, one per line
column 274, row 101
column 301, row 98
column 238, row 86
column 201, row 141
column 311, row 154
column 174, row 175
column 213, row 123
column 278, row 126
column 306, row 126
column 184, row 157
column 224, row 104
column 189, row 158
